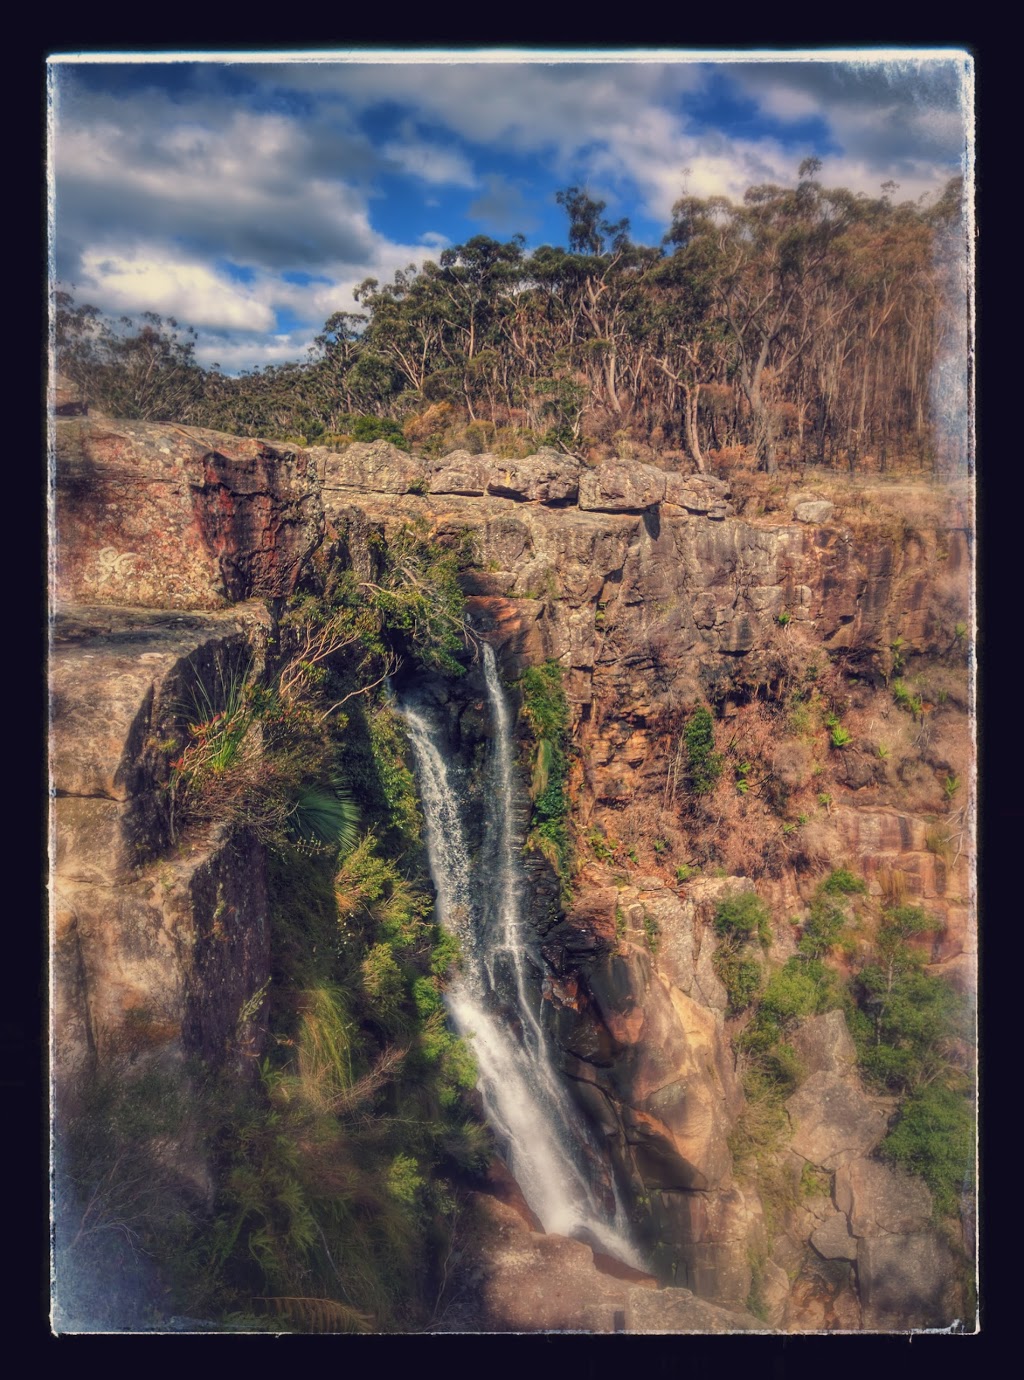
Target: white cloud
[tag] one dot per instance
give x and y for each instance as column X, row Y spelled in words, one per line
column 431, row 163
column 190, row 291
column 154, row 193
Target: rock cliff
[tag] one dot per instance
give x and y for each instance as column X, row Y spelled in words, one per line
column 652, row 592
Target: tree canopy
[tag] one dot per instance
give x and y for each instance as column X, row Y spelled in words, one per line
column 799, row 322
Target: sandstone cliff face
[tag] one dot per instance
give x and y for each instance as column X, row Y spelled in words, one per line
column 161, row 516
column 653, row 596
column 154, row 956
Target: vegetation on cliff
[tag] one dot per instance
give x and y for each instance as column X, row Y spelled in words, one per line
column 336, row 1170
column 912, row 1031
column 546, row 713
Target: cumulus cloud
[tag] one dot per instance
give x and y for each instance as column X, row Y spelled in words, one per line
column 190, row 291
column 245, row 190
column 430, row 162
column 164, row 179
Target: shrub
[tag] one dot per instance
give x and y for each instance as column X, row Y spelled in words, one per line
column 652, row 932
column 934, row 1137
column 741, row 977
column 417, row 597
column 843, row 882
column 705, row 765
column 368, row 428
column 907, row 700
column 741, row 917
column 822, row 928
column 546, row 711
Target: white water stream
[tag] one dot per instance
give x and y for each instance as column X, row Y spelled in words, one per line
column 523, row 1093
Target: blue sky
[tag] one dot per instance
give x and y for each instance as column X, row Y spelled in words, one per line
column 248, row 198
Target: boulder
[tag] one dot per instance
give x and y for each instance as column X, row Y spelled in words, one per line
column 685, row 949
column 833, row 1121
column 152, row 957
column 815, row 511
column 706, row 1241
column 832, row 1240
column 461, row 473
column 678, row 1310
column 880, row 1201
column 371, row 467
column 529, row 1281
column 823, row 1044
column 547, row 477
column 697, row 493
column 774, row 1292
column 620, row 486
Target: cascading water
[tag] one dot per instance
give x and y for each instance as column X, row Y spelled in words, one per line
column 525, row 1101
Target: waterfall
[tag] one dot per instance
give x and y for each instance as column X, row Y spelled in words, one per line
column 524, row 1096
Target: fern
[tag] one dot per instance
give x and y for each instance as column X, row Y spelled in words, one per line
column 318, row 1315
column 541, row 768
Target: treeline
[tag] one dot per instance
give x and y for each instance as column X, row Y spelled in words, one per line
column 799, row 324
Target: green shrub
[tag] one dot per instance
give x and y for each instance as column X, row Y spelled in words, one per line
column 791, row 993
column 546, row 711
column 652, row 932
column 823, row 927
column 906, row 699
column 742, row 916
column 934, row 1137
column 705, row 765
column 843, row 882
column 417, row 598
column 603, row 848
column 367, row 428
column 741, row 977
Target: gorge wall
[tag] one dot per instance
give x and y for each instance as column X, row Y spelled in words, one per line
column 174, row 549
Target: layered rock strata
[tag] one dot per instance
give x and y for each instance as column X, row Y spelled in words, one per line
column 653, row 596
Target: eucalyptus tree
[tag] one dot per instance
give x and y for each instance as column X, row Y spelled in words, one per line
column 762, row 255
column 143, row 369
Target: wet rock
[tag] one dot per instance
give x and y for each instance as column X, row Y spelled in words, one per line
column 589, row 925
column 527, row 1281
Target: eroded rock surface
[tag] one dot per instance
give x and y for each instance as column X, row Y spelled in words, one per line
column 161, row 516
column 833, row 1121
column 653, row 597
